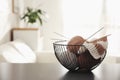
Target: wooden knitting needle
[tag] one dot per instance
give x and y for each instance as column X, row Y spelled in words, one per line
column 95, row 33
column 61, row 35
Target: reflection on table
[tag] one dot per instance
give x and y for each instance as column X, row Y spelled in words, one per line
column 78, row 76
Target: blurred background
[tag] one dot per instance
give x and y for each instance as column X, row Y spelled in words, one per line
column 67, row 17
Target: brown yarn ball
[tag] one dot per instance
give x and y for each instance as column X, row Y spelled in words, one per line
column 77, row 40
column 86, row 60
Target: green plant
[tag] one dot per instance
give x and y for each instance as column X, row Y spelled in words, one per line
column 31, row 16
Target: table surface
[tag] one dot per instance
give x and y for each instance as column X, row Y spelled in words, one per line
column 49, row 71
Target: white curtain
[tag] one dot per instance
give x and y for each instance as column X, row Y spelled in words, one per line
column 4, row 23
column 84, row 17
column 113, row 26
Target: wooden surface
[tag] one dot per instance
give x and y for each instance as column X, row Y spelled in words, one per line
column 49, row 71
column 25, row 29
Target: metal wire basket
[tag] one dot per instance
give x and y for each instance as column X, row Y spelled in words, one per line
column 75, row 61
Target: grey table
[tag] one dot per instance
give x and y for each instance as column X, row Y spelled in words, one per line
column 49, row 71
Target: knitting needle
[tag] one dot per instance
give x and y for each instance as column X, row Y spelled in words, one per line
column 56, row 39
column 60, row 35
column 95, row 33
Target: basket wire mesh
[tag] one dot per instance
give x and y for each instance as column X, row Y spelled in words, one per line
column 75, row 60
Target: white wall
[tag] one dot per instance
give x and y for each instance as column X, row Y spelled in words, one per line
column 54, row 22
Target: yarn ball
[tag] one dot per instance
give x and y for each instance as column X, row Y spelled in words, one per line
column 86, row 60
column 100, row 44
column 74, row 44
column 68, row 59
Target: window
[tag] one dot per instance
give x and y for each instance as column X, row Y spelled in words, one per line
column 113, row 26
column 82, row 17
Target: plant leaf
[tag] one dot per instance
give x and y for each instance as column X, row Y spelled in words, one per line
column 29, row 9
column 33, row 15
column 39, row 11
column 24, row 16
column 40, row 20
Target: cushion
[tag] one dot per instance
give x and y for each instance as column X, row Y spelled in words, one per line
column 17, row 52
column 24, row 50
